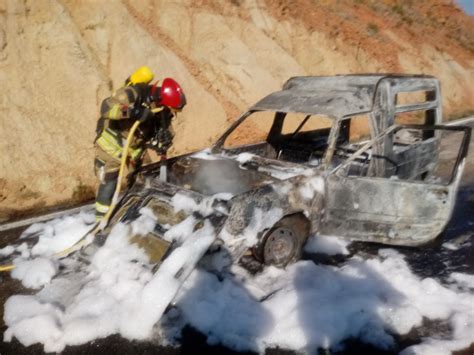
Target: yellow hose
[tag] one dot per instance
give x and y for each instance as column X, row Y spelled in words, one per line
column 123, row 163
column 103, row 223
column 4, row 268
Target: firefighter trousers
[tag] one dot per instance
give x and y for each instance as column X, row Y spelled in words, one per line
column 106, row 170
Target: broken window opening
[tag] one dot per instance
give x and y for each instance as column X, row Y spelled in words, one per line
column 251, row 135
column 303, row 138
column 420, row 163
column 354, row 132
column 414, row 97
column 421, row 117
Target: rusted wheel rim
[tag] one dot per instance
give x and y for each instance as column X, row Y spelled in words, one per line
column 280, row 246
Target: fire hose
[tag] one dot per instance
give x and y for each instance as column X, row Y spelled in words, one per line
column 83, row 241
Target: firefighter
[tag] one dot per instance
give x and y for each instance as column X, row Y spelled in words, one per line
column 136, row 100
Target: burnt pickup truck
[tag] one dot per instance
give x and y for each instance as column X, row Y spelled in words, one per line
column 353, row 156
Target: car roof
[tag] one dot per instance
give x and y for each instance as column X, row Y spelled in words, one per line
column 334, row 96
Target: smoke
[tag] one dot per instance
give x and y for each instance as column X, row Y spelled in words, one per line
column 218, row 176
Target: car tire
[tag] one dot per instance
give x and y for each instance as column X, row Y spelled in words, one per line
column 283, row 244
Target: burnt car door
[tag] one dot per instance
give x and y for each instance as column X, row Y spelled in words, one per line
column 392, row 209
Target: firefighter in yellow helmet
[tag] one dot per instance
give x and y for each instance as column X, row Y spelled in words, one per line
column 136, row 100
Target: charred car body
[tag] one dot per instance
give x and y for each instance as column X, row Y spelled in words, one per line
column 325, row 155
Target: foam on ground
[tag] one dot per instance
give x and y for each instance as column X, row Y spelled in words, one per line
column 34, row 273
column 304, row 307
column 327, row 245
column 119, row 293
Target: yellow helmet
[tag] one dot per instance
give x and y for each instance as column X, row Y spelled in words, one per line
column 141, row 75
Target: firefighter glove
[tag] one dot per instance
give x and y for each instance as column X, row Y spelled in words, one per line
column 140, row 113
column 166, row 138
column 162, row 141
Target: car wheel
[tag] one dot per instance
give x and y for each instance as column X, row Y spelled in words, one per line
column 283, row 243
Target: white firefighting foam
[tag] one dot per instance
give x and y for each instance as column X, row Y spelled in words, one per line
column 303, row 307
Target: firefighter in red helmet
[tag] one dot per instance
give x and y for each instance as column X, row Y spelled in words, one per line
column 154, row 106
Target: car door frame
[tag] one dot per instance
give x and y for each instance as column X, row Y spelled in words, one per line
column 390, row 211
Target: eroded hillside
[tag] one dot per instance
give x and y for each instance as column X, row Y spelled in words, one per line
column 60, row 58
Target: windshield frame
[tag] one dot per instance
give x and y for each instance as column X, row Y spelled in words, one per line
column 219, row 144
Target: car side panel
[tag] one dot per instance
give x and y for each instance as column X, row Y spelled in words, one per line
column 386, row 210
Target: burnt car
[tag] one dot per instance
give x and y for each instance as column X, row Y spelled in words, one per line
column 355, row 156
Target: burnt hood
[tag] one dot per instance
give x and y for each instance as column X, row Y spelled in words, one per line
column 211, row 174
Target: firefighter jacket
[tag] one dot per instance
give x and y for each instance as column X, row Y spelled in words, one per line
column 115, row 123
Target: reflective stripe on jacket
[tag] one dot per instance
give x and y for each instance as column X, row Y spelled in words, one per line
column 111, row 143
column 114, row 130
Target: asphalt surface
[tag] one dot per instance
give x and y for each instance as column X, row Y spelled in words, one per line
column 433, row 260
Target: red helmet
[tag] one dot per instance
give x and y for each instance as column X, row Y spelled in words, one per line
column 171, row 94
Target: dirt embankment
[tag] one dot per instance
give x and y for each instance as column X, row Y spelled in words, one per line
column 60, row 58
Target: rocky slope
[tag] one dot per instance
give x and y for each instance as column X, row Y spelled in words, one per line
column 60, row 58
